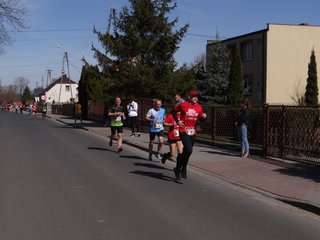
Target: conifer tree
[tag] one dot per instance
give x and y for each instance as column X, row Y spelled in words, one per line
column 140, row 47
column 235, row 95
column 26, row 96
column 312, row 91
column 216, row 82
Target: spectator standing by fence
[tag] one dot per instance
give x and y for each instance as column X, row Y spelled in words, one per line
column 242, row 125
column 132, row 109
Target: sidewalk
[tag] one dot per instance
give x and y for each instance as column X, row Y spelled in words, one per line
column 294, row 183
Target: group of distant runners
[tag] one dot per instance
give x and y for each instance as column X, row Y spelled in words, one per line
column 182, row 122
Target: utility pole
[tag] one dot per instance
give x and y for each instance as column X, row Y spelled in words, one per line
column 65, row 61
column 111, row 17
column 48, row 77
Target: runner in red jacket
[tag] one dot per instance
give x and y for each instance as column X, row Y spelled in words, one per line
column 174, row 141
column 190, row 112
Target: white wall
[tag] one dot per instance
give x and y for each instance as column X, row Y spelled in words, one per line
column 56, row 91
column 288, row 55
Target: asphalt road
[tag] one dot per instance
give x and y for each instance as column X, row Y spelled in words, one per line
column 64, row 183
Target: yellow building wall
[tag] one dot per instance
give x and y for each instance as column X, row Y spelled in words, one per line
column 288, row 55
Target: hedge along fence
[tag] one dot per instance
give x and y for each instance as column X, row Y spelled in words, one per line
column 289, row 132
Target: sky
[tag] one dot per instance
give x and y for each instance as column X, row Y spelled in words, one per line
column 59, row 26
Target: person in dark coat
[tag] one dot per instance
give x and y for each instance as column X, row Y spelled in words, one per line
column 242, row 124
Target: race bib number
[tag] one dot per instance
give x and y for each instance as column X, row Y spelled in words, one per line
column 158, row 125
column 118, row 119
column 190, row 131
column 176, row 133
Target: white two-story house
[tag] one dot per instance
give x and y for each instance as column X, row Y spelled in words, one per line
column 62, row 90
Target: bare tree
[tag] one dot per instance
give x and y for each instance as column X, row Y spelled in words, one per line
column 12, row 18
column 200, row 59
column 9, row 94
column 298, row 93
column 21, row 83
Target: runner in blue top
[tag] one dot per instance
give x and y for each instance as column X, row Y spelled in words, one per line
column 156, row 116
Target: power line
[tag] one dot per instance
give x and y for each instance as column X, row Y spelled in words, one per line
column 90, row 29
column 53, row 30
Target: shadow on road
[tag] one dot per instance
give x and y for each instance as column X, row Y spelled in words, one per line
column 156, row 175
column 149, row 165
column 132, row 157
column 304, row 206
column 100, row 149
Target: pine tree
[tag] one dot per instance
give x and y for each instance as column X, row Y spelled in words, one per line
column 216, row 82
column 312, row 91
column 235, row 95
column 140, row 48
column 26, row 96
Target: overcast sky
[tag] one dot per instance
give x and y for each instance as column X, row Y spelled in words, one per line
column 69, row 24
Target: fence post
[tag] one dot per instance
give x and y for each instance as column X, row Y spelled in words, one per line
column 213, row 114
column 141, row 117
column 265, row 129
column 282, row 131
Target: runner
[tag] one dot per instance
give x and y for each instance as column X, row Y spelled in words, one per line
column 178, row 98
column 77, row 113
column 156, row 116
column 116, row 113
column 190, row 110
column 174, row 141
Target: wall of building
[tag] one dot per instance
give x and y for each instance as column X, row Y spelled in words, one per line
column 288, row 55
column 54, row 92
column 255, row 66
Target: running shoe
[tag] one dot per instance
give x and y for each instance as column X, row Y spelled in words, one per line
column 165, row 157
column 184, row 173
column 177, row 174
column 159, row 156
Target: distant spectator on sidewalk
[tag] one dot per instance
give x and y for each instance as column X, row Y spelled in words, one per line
column 242, row 124
column 156, row 116
column 116, row 114
column 77, row 113
column 132, row 109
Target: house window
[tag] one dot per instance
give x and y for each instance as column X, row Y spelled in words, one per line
column 67, row 88
column 247, row 50
column 247, row 88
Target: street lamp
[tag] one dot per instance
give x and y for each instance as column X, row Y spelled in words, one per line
column 65, row 60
